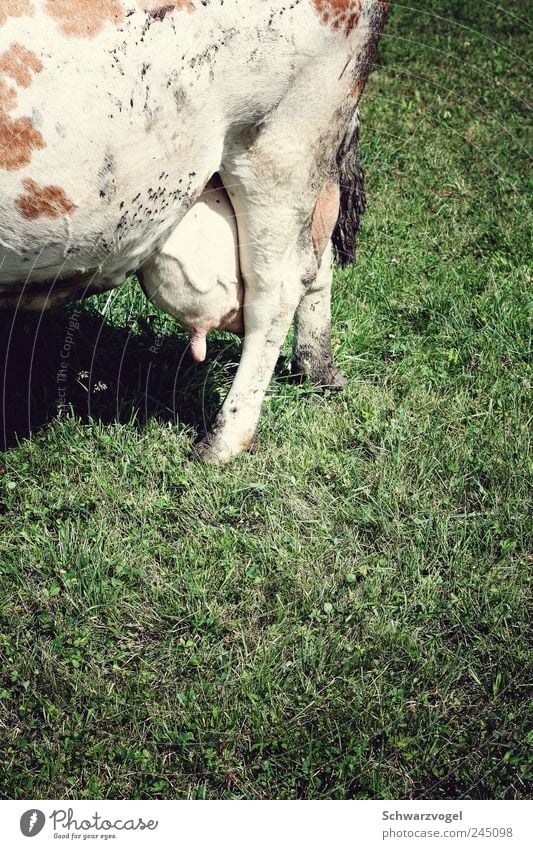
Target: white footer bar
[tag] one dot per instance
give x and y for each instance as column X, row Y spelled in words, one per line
column 257, row 824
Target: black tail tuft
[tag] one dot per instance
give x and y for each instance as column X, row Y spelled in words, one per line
column 353, row 197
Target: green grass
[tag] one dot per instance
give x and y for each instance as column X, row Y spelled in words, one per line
column 342, row 614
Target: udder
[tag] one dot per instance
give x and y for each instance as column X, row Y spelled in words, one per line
column 195, row 276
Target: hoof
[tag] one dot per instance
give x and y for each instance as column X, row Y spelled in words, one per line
column 325, row 378
column 207, row 451
column 336, row 381
column 214, row 451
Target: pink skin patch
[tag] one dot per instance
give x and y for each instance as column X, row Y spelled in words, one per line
column 325, row 217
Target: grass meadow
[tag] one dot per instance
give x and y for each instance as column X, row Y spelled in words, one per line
column 342, row 614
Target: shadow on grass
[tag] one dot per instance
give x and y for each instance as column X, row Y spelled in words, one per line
column 75, row 359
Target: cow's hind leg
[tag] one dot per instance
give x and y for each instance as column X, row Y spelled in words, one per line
column 274, row 202
column 312, row 355
column 312, row 351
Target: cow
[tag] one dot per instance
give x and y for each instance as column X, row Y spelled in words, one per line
column 115, row 114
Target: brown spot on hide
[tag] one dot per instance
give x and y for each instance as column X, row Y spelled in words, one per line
column 339, row 14
column 357, row 90
column 8, row 97
column 18, row 62
column 43, row 201
column 14, row 9
column 18, row 139
column 85, row 18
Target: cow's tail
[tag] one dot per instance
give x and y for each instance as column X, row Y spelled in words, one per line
column 352, row 196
